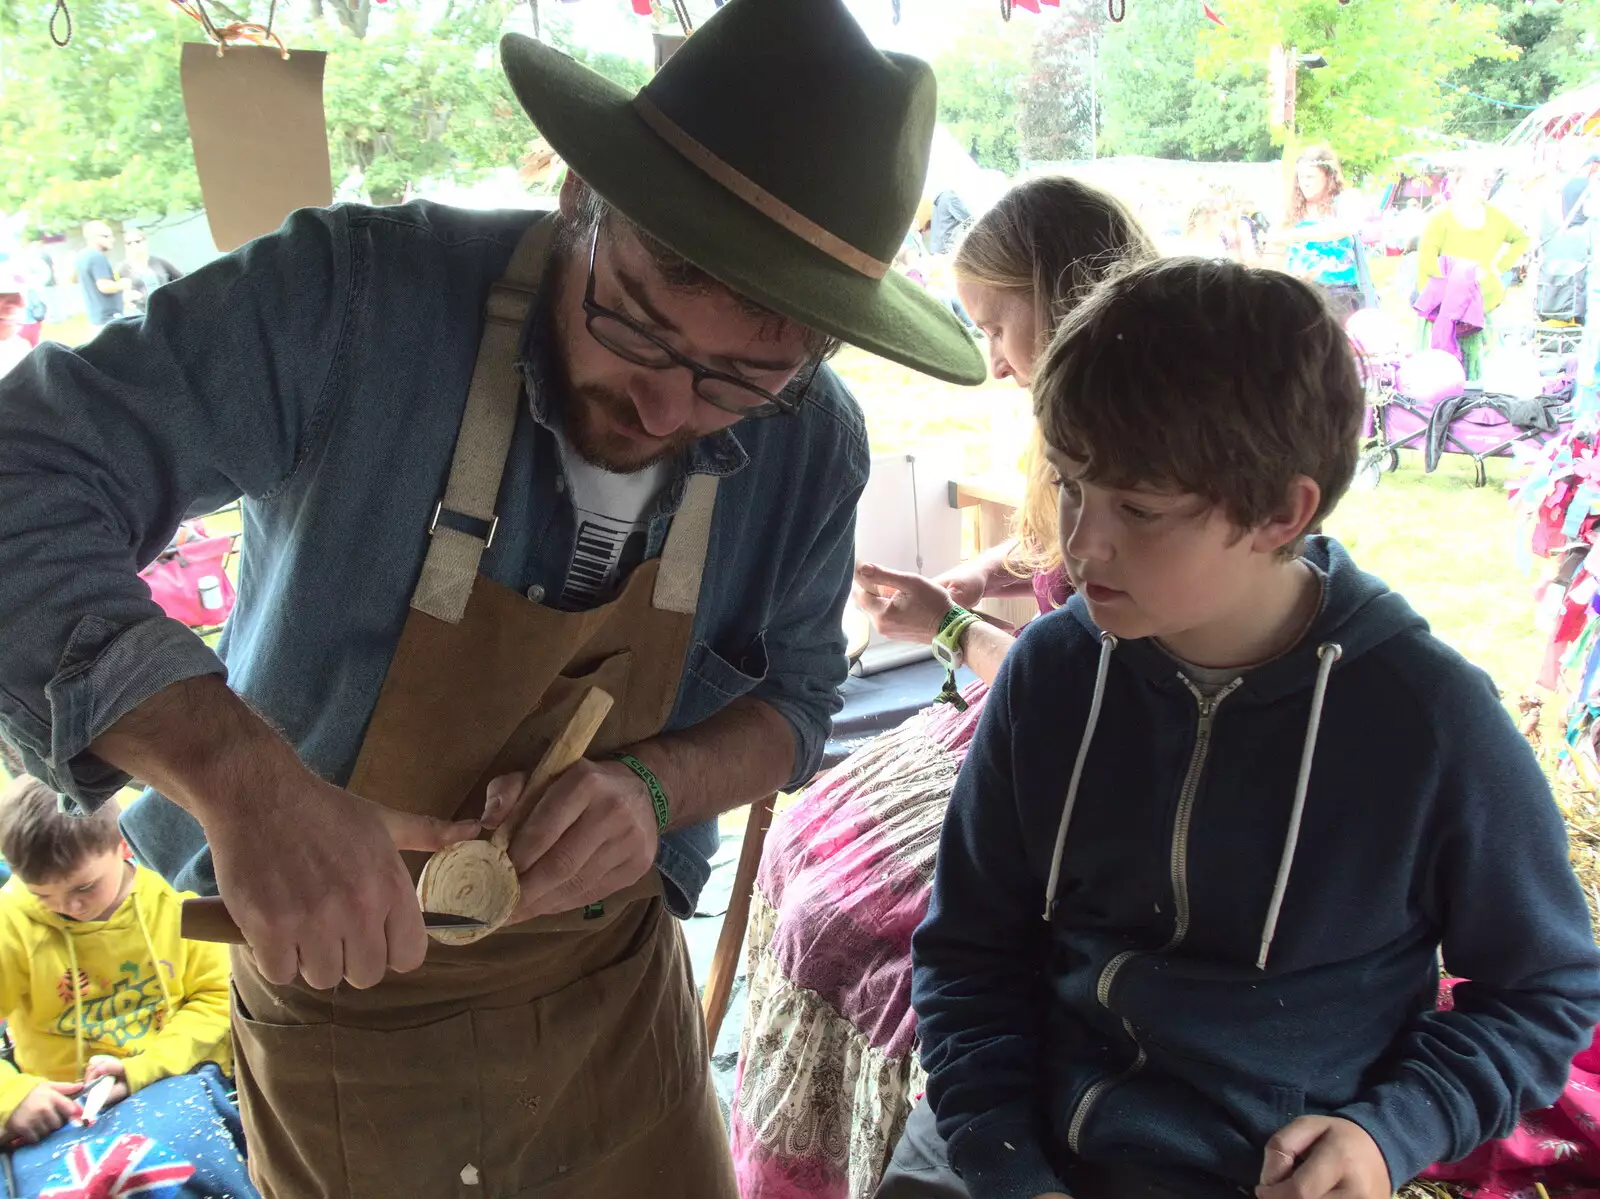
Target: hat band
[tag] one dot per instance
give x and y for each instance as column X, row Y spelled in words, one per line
column 758, row 197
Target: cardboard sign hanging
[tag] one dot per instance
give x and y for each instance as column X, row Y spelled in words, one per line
column 260, row 138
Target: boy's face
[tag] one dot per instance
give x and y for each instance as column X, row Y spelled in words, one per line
column 92, row 890
column 1154, row 563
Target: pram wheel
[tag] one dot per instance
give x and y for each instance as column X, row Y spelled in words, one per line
column 1370, row 468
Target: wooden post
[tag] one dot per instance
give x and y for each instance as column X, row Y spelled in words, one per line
column 730, row 942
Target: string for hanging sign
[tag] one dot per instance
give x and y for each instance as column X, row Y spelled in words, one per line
column 1005, row 10
column 1116, row 10
column 682, row 9
column 236, row 33
column 61, row 11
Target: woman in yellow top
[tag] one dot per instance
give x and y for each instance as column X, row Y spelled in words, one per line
column 1471, row 228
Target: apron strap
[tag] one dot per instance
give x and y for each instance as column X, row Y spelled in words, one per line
column 451, row 563
column 683, row 558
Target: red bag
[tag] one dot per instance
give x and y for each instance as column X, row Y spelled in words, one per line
column 189, row 580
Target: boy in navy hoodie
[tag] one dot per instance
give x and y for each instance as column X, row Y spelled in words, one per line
column 1226, row 809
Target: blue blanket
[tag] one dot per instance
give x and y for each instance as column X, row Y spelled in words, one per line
column 179, row 1138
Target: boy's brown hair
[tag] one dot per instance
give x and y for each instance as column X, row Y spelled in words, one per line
column 40, row 842
column 1206, row 377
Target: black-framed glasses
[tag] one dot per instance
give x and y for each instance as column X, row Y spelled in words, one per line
column 643, row 348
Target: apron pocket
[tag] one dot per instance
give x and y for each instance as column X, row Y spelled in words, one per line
column 571, row 1078
column 408, row 1111
column 283, row 1074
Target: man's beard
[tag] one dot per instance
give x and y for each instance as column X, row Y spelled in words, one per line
column 586, row 414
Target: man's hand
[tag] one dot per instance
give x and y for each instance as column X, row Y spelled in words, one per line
column 592, row 834
column 45, row 1108
column 312, row 876
column 902, row 607
column 103, row 1065
column 1323, row 1155
column 310, row 873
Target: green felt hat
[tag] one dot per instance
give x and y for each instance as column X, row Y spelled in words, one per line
column 778, row 151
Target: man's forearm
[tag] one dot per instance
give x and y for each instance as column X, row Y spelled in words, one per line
column 743, row 753
column 199, row 744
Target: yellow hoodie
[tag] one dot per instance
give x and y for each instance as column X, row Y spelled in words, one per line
column 129, row 986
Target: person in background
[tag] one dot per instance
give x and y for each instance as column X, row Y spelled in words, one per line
column 143, row 271
column 1576, row 188
column 13, row 319
column 1473, row 230
column 1319, row 239
column 102, row 287
column 95, row 979
column 949, row 221
column 826, row 1069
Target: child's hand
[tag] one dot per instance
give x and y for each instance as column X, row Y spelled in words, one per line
column 46, row 1108
column 103, row 1065
column 1323, row 1155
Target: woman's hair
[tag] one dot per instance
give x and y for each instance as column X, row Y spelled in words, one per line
column 1053, row 238
column 1323, row 158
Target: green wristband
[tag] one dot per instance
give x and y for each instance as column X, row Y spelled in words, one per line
column 658, row 797
column 947, row 652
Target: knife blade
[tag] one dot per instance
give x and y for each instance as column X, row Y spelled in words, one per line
column 95, row 1099
column 208, row 919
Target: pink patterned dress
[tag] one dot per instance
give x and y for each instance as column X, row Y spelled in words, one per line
column 827, row 1066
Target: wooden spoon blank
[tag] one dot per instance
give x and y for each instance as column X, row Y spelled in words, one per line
column 477, row 878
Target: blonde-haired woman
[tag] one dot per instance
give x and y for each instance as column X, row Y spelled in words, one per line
column 827, row 1070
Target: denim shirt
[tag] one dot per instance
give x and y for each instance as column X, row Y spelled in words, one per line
column 320, row 374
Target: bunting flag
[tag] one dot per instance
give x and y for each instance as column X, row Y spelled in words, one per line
column 1210, row 15
column 127, row 1167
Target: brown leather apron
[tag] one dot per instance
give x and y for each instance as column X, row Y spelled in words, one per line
column 563, row 1057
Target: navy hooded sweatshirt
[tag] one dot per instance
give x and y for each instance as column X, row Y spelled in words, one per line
column 1139, row 1024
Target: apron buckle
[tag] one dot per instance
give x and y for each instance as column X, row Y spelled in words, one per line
column 484, row 532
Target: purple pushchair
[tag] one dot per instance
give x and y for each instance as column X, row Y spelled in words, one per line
column 1422, row 401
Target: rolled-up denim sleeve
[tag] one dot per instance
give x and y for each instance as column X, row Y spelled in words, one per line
column 217, row 392
column 805, row 641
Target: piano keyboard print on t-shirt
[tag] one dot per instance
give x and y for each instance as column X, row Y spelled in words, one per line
column 595, row 554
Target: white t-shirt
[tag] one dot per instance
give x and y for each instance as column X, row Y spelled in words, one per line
column 611, row 511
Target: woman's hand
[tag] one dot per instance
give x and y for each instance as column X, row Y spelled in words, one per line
column 966, row 584
column 902, row 607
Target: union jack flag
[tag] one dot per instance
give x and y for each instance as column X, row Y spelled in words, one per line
column 121, row 1171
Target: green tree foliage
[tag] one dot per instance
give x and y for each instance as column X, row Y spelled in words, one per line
column 1382, row 92
column 417, row 98
column 1543, row 43
column 978, row 79
column 97, row 129
column 1158, row 102
column 1057, row 105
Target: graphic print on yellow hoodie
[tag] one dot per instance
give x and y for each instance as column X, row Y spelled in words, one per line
column 129, row 986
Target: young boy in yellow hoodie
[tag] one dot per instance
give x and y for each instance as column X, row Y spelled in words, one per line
column 95, row 978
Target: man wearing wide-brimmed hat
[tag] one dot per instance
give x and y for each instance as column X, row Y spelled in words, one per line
column 487, row 464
